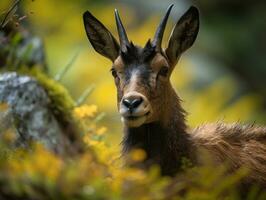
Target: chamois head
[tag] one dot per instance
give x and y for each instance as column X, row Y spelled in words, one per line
column 142, row 75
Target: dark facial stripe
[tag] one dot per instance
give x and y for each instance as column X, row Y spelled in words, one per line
column 139, row 73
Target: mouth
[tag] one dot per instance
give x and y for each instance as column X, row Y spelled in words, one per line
column 135, row 121
column 132, row 117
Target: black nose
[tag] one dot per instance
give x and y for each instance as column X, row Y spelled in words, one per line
column 132, row 103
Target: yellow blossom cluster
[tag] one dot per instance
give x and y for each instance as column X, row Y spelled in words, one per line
column 100, row 173
column 85, row 111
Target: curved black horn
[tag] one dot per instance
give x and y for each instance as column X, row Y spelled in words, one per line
column 157, row 41
column 121, row 32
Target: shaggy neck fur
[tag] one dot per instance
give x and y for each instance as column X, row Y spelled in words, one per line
column 165, row 142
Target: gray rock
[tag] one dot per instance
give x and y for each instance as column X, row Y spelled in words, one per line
column 29, row 112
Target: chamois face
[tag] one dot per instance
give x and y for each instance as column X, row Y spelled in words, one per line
column 141, row 77
column 141, row 74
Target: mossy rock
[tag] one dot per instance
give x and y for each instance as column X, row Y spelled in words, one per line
column 41, row 110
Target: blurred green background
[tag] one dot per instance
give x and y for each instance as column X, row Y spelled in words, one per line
column 222, row 77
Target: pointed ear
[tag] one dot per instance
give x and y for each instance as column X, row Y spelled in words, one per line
column 183, row 34
column 100, row 38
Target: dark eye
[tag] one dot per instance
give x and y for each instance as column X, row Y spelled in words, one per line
column 164, row 71
column 114, row 73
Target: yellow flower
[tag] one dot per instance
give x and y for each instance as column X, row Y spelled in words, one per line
column 36, row 164
column 137, row 155
column 85, row 111
column 101, row 131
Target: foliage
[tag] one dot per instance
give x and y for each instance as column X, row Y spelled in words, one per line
column 99, row 173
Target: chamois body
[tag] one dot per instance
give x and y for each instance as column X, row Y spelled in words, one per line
column 150, row 108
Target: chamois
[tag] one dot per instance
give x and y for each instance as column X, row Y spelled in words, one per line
column 150, row 108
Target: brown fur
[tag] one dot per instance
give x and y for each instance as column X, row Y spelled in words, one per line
column 239, row 145
column 119, row 64
column 158, row 61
